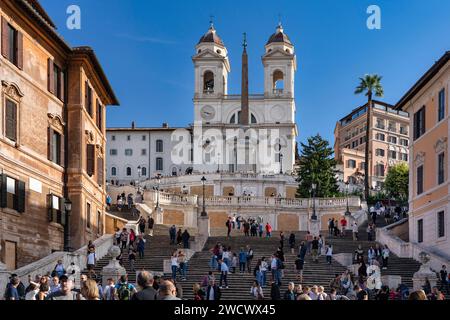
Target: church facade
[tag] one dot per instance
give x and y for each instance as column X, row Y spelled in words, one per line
column 247, row 133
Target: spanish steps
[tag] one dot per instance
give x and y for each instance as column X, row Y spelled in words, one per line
column 158, row 249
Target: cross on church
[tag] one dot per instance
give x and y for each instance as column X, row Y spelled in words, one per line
column 245, row 40
column 211, row 20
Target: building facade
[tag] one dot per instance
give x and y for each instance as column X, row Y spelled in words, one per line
column 137, row 154
column 388, row 143
column 52, row 137
column 429, row 187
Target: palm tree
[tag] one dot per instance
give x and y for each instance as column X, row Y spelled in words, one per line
column 370, row 84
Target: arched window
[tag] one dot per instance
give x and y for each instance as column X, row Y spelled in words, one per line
column 144, row 171
column 238, row 116
column 128, row 171
column 278, row 82
column 113, row 171
column 208, row 82
column 159, row 146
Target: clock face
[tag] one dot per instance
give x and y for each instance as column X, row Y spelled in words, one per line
column 277, row 113
column 207, row 112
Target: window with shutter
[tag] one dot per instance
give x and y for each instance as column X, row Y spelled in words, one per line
column 88, row 98
column 88, row 215
column 3, row 191
column 5, row 38
column 19, row 50
column 20, row 196
column 11, row 120
column 419, row 179
column 62, row 81
column 99, row 115
column 50, row 143
column 100, row 171
column 90, row 159
column 50, row 76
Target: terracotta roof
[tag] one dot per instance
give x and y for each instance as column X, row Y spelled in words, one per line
column 424, row 80
column 279, row 36
column 212, row 37
column 41, row 12
column 98, row 68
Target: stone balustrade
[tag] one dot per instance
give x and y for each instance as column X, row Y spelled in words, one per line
column 281, row 202
column 407, row 249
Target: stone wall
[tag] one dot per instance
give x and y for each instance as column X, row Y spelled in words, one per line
column 171, row 216
column 287, row 222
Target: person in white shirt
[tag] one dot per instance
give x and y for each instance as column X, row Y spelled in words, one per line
column 385, row 256
column 174, row 264
column 263, row 269
column 256, row 291
column 31, row 295
column 321, row 294
column 329, row 253
column 91, row 259
column 223, row 274
column 355, row 231
column 109, row 290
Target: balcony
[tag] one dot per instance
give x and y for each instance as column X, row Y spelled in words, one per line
column 278, row 92
column 392, row 129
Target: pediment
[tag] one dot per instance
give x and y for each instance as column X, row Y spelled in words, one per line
column 278, row 53
column 207, row 53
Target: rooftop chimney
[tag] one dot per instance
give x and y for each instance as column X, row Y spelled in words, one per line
column 165, row 125
column 132, row 125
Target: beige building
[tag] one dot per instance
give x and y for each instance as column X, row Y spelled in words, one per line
column 429, row 193
column 52, row 137
column 388, row 143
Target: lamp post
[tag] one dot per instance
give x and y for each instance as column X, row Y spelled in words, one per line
column 281, row 163
column 204, row 214
column 347, row 213
column 139, row 177
column 313, row 187
column 158, row 177
column 68, row 209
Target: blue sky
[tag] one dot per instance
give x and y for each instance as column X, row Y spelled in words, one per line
column 146, row 46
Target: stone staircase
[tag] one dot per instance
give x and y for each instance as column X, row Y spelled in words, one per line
column 313, row 274
column 240, row 283
column 157, row 249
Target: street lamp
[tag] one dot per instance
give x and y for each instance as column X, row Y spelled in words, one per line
column 139, row 169
column 158, row 177
column 347, row 213
column 68, row 209
column 281, row 163
column 313, row 187
column 204, row 214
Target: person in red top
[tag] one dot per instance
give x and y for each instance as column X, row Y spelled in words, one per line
column 268, row 230
column 343, row 226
